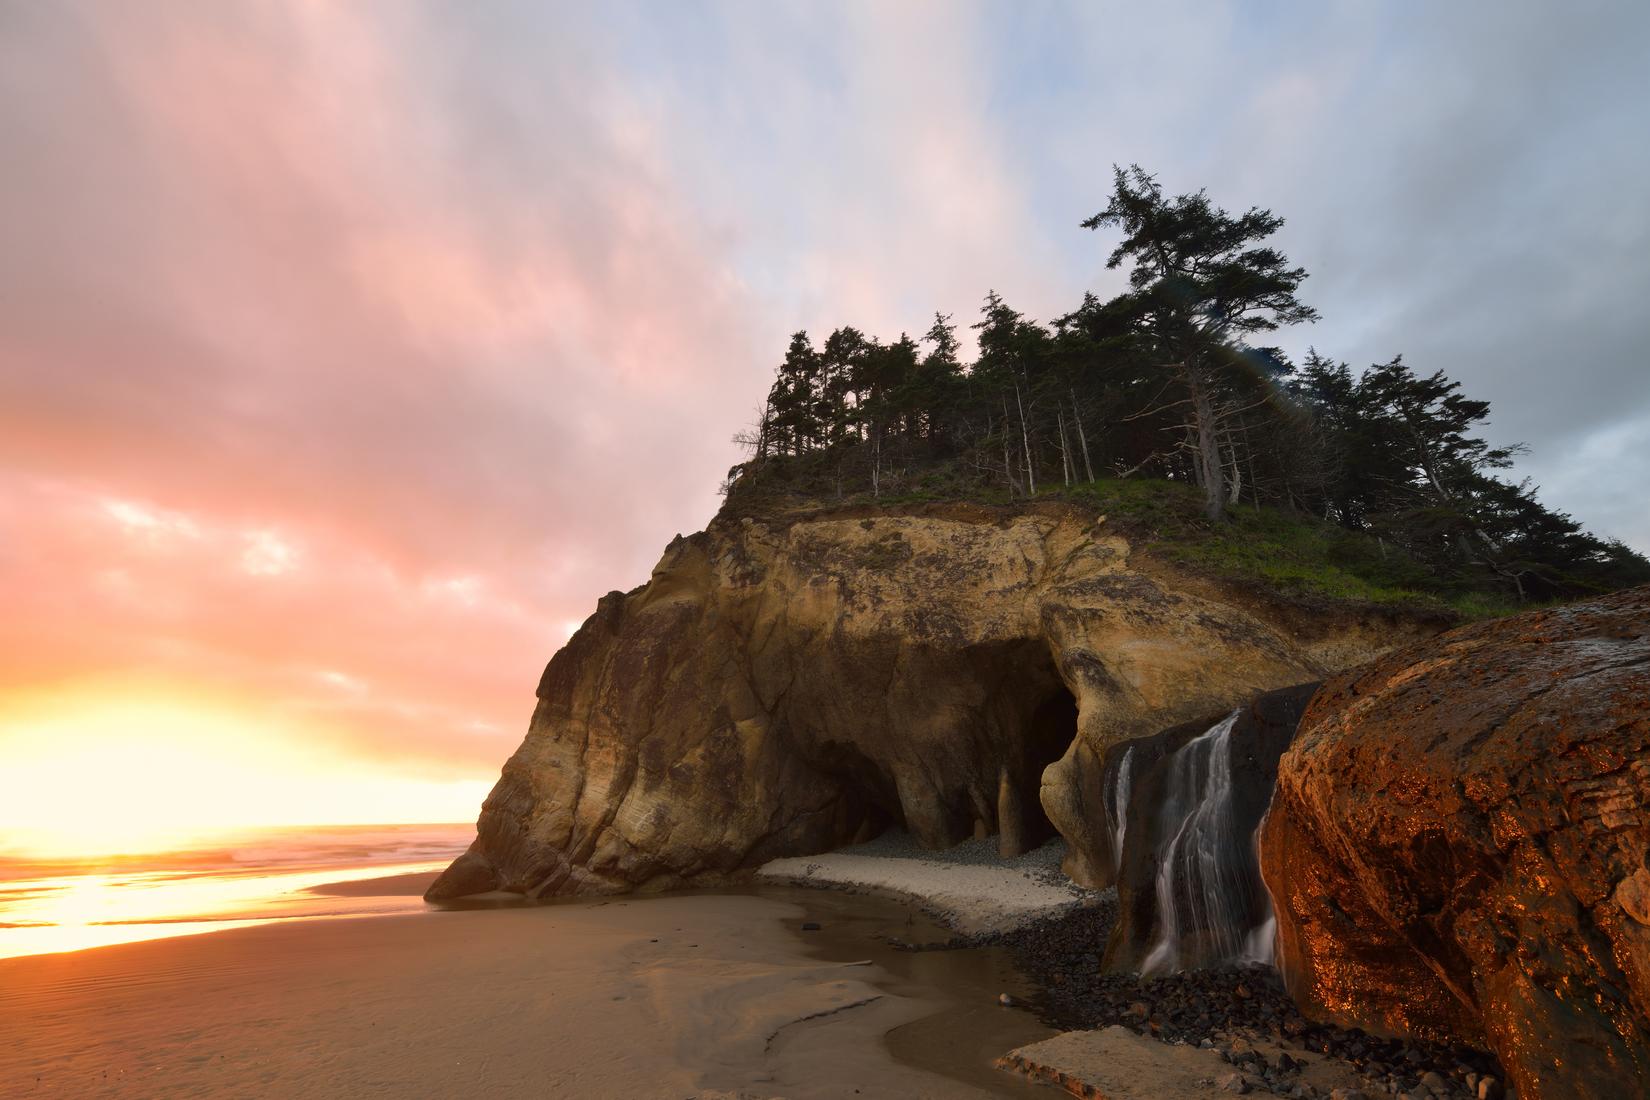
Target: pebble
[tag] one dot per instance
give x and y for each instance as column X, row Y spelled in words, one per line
column 1229, row 1009
column 810, row 926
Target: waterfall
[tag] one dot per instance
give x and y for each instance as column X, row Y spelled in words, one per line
column 1206, row 878
column 1118, row 810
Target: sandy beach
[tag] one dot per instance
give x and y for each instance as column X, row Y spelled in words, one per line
column 682, row 996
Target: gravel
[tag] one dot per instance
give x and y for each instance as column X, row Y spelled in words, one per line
column 1241, row 1011
column 1056, row 932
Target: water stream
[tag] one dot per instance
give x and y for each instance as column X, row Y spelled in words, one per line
column 1208, row 884
column 1118, row 809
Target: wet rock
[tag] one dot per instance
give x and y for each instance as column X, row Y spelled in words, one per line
column 1248, row 757
column 1633, row 895
column 1456, row 840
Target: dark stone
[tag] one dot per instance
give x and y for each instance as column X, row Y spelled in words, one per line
column 470, row 873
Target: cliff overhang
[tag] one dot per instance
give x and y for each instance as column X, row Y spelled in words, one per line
column 789, row 684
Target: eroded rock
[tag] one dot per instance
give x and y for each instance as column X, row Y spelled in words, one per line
column 1457, row 846
column 786, row 687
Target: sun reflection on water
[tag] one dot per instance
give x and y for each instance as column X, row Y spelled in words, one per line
column 46, row 909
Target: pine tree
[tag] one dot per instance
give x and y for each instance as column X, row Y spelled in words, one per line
column 1200, row 283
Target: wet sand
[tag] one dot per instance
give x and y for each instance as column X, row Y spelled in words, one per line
column 386, row 886
column 683, row 996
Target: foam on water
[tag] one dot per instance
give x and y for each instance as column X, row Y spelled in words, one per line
column 1119, row 808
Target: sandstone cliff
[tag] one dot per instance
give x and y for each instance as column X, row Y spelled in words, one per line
column 786, row 686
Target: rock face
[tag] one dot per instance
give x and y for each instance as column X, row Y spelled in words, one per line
column 1457, row 846
column 782, row 688
column 1189, row 891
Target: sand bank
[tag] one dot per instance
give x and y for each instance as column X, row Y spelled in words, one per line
column 697, row 995
column 969, row 887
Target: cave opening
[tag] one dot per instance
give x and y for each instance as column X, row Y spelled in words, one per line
column 869, row 787
column 974, row 770
column 1050, row 729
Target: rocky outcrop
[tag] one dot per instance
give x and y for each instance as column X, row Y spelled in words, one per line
column 1457, row 847
column 788, row 686
column 1189, row 891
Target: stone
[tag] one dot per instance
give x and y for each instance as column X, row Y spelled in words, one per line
column 1633, row 895
column 1435, row 1082
column 1233, row 1082
column 1115, row 1062
column 794, row 684
column 1455, row 844
column 1489, row 1089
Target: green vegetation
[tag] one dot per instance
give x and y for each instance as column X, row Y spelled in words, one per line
column 1293, row 554
column 1155, row 408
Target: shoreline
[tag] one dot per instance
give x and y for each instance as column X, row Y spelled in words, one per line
column 1187, row 1032
column 884, row 957
column 714, row 995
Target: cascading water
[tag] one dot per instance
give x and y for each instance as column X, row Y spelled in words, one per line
column 1118, row 810
column 1209, row 903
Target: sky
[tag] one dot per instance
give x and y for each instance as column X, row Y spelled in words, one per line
column 349, row 352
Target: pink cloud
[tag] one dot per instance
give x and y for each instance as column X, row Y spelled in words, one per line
column 297, row 407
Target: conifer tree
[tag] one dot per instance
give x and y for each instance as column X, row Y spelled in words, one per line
column 1200, row 283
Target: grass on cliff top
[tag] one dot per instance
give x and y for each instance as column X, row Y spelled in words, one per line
column 1292, row 554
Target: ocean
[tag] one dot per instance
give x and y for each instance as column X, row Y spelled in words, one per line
column 229, row 880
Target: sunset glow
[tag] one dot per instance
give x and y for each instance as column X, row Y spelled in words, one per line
column 97, row 910
column 148, row 774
